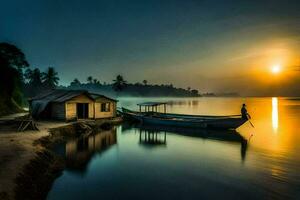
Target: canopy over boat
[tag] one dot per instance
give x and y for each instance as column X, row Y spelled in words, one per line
column 152, row 103
column 152, row 106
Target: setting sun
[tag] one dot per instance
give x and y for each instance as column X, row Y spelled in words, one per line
column 276, row 69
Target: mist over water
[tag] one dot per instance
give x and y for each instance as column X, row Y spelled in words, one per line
column 140, row 163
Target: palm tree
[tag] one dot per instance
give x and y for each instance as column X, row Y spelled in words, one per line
column 50, row 78
column 90, row 79
column 96, row 82
column 34, row 85
column 34, row 76
column 145, row 82
column 75, row 82
column 119, row 83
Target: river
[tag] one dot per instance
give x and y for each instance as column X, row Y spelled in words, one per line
column 129, row 162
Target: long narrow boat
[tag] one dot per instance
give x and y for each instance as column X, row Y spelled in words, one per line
column 185, row 116
column 178, row 120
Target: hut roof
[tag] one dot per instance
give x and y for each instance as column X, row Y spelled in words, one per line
column 59, row 95
column 40, row 102
column 96, row 96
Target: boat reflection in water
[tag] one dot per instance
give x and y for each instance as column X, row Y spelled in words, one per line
column 150, row 136
column 79, row 151
column 196, row 164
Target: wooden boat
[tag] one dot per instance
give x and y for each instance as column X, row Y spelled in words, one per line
column 182, row 120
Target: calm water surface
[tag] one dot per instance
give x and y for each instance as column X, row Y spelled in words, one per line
column 141, row 163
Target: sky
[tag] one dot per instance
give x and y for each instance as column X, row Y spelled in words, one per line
column 209, row 45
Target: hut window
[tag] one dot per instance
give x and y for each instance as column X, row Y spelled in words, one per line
column 105, row 107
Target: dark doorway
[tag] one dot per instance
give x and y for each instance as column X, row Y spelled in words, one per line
column 82, row 110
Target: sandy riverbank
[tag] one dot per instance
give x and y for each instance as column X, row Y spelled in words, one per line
column 28, row 166
column 17, row 149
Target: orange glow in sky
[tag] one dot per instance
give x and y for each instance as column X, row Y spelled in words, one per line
column 276, row 69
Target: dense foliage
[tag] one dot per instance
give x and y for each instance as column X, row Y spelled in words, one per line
column 19, row 82
column 37, row 81
column 12, row 65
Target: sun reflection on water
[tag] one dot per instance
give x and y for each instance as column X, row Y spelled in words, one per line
column 275, row 113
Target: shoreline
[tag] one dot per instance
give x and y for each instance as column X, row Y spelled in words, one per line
column 27, row 158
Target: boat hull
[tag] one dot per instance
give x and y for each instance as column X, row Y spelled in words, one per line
column 215, row 124
column 201, row 122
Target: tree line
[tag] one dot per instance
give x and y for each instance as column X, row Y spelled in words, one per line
column 18, row 82
column 122, row 87
column 37, row 81
column 12, row 65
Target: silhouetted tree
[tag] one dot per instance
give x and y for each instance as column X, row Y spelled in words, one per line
column 96, row 82
column 138, row 84
column 90, row 79
column 12, row 63
column 14, row 56
column 7, row 84
column 34, row 82
column 119, row 83
column 145, row 82
column 170, row 85
column 135, row 89
column 75, row 82
column 50, row 78
column 195, row 92
column 34, row 77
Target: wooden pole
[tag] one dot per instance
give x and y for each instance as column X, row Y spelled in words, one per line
column 94, row 110
column 140, row 135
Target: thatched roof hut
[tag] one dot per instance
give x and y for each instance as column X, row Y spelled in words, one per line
column 72, row 104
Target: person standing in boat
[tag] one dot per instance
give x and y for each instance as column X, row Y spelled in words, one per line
column 244, row 112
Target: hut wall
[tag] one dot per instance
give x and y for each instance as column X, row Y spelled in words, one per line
column 105, row 114
column 71, row 148
column 58, row 111
column 71, row 106
column 71, row 111
column 105, row 139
